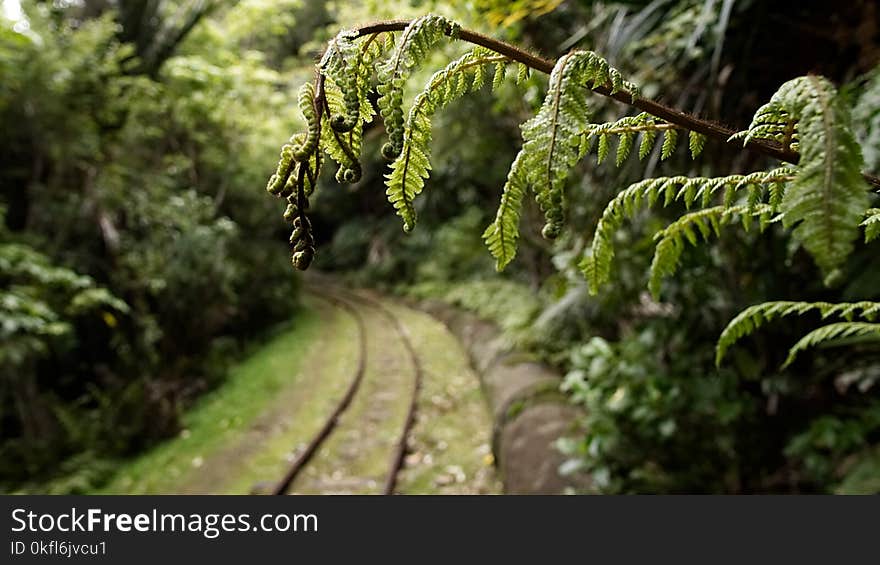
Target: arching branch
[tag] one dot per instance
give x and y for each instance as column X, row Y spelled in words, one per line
column 662, row 111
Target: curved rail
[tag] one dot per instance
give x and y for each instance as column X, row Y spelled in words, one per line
column 345, row 299
column 400, row 448
column 330, row 423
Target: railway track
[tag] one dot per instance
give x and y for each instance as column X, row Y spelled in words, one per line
column 355, row 304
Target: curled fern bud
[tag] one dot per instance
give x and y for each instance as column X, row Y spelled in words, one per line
column 389, row 152
column 350, row 175
column 291, row 212
column 414, row 46
column 278, row 181
column 339, row 63
column 302, row 259
column 551, row 230
column 303, row 243
column 306, row 144
column 340, row 124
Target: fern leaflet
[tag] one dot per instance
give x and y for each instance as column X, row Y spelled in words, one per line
column 832, row 332
column 596, row 265
column 753, row 317
column 411, row 168
column 872, row 224
column 828, row 195
column 551, row 148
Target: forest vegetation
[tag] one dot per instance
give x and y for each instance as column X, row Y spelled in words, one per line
column 697, row 257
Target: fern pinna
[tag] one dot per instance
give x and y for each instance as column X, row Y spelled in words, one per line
column 821, row 195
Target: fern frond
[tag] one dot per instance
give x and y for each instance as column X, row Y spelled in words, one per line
column 551, row 141
column 411, row 49
column 871, row 224
column 348, row 67
column 339, row 64
column 831, row 332
column 502, row 234
column 772, row 122
column 306, row 102
column 411, row 168
column 343, row 147
column 687, row 229
column 626, row 129
column 596, row 265
column 753, row 317
column 828, row 196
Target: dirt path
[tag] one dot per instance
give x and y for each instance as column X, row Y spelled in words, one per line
column 448, row 442
column 448, row 447
column 258, row 459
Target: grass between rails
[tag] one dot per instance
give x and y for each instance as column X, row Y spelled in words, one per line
column 299, row 411
column 451, row 441
column 222, row 415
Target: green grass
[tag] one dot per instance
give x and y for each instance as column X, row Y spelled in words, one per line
column 452, row 413
column 510, row 305
column 221, row 416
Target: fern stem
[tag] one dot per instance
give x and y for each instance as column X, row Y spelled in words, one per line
column 662, row 111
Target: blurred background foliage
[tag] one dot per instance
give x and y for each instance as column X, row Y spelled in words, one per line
column 140, row 253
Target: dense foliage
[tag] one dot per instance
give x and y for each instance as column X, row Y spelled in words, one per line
column 138, row 253
column 821, row 196
column 135, row 254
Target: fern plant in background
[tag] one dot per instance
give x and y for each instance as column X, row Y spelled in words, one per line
column 821, row 195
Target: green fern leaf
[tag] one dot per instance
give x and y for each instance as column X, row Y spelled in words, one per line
column 872, row 224
column 649, row 139
column 411, row 168
column 343, row 147
column 753, row 317
column 604, row 146
column 670, row 138
column 596, row 264
column 522, row 73
column 552, row 144
column 412, row 48
column 624, row 146
column 828, row 197
column 696, row 143
column 831, row 332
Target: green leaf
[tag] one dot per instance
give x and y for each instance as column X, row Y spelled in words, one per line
column 670, row 138
column 552, row 144
column 753, row 317
column 828, row 197
column 412, row 166
column 831, row 332
column 696, row 142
